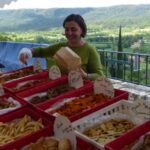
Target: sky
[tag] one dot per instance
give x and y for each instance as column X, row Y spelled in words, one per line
column 19, row 4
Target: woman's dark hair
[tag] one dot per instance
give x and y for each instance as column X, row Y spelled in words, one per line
column 79, row 20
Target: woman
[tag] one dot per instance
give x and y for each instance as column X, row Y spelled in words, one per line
column 75, row 31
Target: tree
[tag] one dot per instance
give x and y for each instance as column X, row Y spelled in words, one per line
column 120, row 56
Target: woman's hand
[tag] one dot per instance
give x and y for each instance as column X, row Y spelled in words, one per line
column 83, row 73
column 24, row 55
column 23, row 58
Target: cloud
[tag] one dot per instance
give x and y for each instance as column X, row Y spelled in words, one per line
column 69, row 3
column 5, row 2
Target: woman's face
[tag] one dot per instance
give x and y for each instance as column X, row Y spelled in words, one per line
column 73, row 32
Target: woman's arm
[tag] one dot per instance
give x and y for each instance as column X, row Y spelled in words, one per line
column 26, row 53
column 94, row 66
column 46, row 51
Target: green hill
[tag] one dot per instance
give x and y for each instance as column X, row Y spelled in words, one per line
column 43, row 19
column 128, row 15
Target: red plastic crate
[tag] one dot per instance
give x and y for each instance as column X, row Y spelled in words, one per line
column 84, row 145
column 35, row 115
column 38, row 76
column 118, row 95
column 22, row 102
column 47, row 85
column 28, row 67
column 129, row 137
column 16, row 71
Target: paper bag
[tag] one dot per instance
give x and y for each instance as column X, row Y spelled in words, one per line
column 68, row 58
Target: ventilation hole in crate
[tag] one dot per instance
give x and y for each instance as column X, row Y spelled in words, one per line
column 109, row 112
column 113, row 110
column 104, row 114
column 117, row 109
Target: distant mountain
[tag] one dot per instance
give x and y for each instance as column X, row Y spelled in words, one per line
column 43, row 19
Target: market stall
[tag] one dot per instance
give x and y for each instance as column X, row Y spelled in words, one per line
column 87, row 116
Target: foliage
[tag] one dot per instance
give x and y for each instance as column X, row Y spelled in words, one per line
column 120, row 56
column 45, row 26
